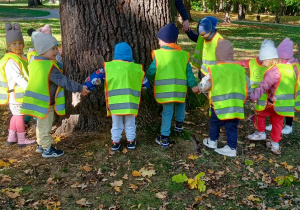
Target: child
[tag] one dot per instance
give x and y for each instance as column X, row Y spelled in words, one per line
column 285, row 52
column 123, row 82
column 173, row 74
column 227, row 83
column 13, row 83
column 45, row 92
column 279, row 82
column 207, row 41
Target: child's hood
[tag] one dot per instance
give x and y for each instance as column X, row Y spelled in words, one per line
column 123, row 52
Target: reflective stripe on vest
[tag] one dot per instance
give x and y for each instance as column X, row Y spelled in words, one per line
column 36, row 101
column 297, row 100
column 208, row 55
column 31, row 54
column 284, row 97
column 170, row 79
column 123, row 96
column 18, row 90
column 228, row 96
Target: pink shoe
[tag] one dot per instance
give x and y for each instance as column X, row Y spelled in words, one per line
column 23, row 141
column 12, row 137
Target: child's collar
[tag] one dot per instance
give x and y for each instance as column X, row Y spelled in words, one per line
column 173, row 45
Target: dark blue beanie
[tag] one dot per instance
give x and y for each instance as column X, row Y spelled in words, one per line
column 168, row 33
column 207, row 25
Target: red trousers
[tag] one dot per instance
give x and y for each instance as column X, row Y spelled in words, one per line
column 276, row 121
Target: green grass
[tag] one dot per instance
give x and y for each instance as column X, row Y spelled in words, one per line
column 24, row 4
column 12, row 12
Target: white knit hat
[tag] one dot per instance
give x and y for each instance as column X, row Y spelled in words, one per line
column 44, row 42
column 267, row 50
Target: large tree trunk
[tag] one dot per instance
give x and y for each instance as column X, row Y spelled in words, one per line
column 241, row 12
column 91, row 29
column 227, row 12
column 187, row 4
column 279, row 12
column 221, row 9
column 204, row 6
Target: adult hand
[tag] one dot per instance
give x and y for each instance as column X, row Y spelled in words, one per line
column 85, row 91
column 186, row 25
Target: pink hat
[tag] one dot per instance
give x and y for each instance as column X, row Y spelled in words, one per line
column 285, row 49
column 45, row 30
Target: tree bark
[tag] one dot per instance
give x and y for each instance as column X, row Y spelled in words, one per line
column 204, row 6
column 91, row 29
column 187, row 4
column 221, row 9
column 227, row 13
column 241, row 12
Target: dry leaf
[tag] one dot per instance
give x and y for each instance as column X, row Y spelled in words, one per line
column 82, row 202
column 89, row 153
column 193, row 157
column 161, row 195
column 148, row 173
column 12, row 194
column 117, row 189
column 86, row 168
column 124, row 151
column 125, row 176
column 136, row 174
column 134, row 187
column 112, row 174
column 5, row 178
column 117, row 183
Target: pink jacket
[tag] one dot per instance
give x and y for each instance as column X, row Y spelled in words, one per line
column 269, row 83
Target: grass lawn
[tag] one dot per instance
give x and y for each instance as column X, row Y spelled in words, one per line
column 12, row 12
column 90, row 175
column 24, row 4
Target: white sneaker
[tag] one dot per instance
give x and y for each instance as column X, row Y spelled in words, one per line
column 227, row 151
column 269, row 127
column 274, row 147
column 257, row 136
column 209, row 143
column 287, row 129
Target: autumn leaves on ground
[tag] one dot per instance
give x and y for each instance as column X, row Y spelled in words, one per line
column 185, row 176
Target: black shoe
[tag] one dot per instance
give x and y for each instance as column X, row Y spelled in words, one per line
column 178, row 126
column 162, row 140
column 115, row 146
column 131, row 145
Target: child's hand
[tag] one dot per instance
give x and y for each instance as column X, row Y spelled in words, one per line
column 85, row 91
column 186, row 25
column 196, row 90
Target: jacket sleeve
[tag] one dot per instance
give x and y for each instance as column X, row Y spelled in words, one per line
column 190, row 76
column 270, row 79
column 62, row 81
column 12, row 71
column 244, row 63
column 96, row 78
column 192, row 35
column 181, row 9
column 151, row 71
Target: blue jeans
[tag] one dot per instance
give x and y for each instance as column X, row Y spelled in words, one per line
column 167, row 115
column 230, row 127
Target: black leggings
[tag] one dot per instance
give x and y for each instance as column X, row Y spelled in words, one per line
column 289, row 121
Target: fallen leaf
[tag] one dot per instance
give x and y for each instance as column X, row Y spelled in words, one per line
column 192, row 184
column 251, row 198
column 188, row 123
column 86, row 168
column 161, row 195
column 5, row 178
column 117, row 189
column 148, row 173
column 134, row 187
column 179, row 178
column 112, row 174
column 125, row 176
column 124, row 151
column 82, row 202
column 193, row 157
column 117, row 183
column 136, row 174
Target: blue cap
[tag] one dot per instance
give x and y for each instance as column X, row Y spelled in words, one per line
column 123, row 52
column 168, row 33
column 207, row 25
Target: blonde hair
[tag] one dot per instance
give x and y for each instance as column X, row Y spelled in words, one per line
column 275, row 61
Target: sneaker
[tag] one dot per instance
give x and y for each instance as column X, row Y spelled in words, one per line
column 227, row 151
column 269, row 127
column 178, row 126
column 287, row 129
column 210, row 143
column 39, row 149
column 115, row 146
column 274, row 147
column 52, row 152
column 131, row 145
column 256, row 136
column 162, row 140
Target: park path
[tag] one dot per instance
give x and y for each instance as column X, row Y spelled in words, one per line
column 54, row 13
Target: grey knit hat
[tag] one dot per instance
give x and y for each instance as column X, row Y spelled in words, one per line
column 44, row 42
column 267, row 50
column 13, row 33
column 224, row 51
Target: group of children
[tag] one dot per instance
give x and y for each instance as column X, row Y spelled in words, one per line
column 35, row 87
